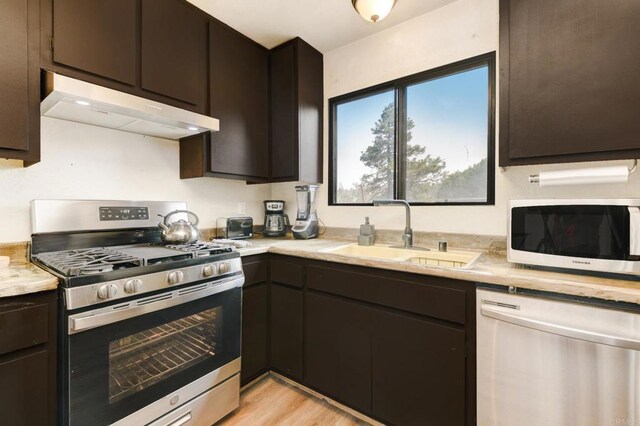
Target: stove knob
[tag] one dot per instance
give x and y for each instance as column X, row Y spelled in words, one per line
column 133, row 286
column 107, row 291
column 224, row 268
column 209, row 270
column 175, row 277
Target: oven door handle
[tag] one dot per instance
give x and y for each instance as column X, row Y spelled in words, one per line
column 93, row 319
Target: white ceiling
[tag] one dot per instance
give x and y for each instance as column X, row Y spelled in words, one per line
column 325, row 24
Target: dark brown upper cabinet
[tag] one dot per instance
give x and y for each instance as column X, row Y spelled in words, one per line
column 20, row 80
column 569, row 86
column 98, row 37
column 239, row 98
column 296, row 73
column 270, row 107
column 155, row 49
column 174, row 52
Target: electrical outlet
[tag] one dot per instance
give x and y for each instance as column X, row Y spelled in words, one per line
column 242, row 208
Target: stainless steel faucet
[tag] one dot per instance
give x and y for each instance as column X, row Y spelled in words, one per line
column 407, row 237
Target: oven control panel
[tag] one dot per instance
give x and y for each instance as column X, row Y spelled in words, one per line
column 213, row 272
column 124, row 213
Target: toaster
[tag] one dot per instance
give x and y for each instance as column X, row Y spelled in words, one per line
column 234, row 228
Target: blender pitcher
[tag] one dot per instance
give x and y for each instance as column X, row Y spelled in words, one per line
column 306, row 226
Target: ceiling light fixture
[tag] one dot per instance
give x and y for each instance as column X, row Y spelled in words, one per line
column 373, row 10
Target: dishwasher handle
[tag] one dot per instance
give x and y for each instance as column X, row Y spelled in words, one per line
column 561, row 330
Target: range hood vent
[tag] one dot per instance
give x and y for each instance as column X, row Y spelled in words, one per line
column 74, row 100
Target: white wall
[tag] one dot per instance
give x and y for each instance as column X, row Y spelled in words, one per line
column 80, row 161
column 454, row 32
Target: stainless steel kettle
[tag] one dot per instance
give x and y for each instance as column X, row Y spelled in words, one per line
column 180, row 231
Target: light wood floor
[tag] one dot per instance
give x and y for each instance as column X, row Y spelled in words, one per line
column 272, row 401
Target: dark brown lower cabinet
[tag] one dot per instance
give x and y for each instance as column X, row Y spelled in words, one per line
column 255, row 318
column 28, row 359
column 395, row 346
column 398, row 347
column 286, row 330
column 23, row 389
column 418, row 371
column 338, row 349
column 254, row 332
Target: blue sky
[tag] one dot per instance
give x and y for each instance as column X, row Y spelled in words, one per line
column 450, row 116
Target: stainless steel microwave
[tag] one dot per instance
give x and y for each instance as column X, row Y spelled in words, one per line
column 592, row 235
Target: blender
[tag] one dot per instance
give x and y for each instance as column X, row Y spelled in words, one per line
column 306, row 226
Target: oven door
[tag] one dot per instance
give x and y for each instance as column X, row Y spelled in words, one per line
column 139, row 359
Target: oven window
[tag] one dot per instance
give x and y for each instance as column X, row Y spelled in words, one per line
column 145, row 358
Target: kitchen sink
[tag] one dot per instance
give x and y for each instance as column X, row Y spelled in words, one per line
column 448, row 259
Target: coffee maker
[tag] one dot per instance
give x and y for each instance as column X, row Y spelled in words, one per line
column 306, row 226
column 275, row 219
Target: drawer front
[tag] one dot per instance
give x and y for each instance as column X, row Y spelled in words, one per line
column 285, row 272
column 418, row 297
column 255, row 271
column 22, row 325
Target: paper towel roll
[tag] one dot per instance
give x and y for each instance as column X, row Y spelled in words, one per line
column 595, row 175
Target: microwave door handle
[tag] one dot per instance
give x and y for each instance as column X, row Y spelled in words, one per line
column 561, row 330
column 634, row 231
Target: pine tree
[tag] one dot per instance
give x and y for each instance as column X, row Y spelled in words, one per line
column 423, row 170
column 427, row 177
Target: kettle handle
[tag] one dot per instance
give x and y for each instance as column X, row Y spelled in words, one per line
column 181, row 211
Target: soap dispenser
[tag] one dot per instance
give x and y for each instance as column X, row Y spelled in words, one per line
column 367, row 235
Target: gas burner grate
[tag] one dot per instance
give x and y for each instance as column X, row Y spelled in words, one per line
column 203, row 248
column 88, row 261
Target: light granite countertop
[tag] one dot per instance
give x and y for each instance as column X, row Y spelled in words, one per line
column 23, row 278
column 489, row 269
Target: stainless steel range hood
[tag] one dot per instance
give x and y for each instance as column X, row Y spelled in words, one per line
column 74, row 100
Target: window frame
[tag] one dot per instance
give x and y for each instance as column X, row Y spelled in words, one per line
column 399, row 88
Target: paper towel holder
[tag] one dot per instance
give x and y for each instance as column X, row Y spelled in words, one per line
column 536, row 178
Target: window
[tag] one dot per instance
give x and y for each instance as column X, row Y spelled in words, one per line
column 427, row 138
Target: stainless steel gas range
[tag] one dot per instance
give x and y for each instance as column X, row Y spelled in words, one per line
column 149, row 334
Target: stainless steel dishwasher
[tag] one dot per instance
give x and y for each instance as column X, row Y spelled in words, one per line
column 554, row 362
